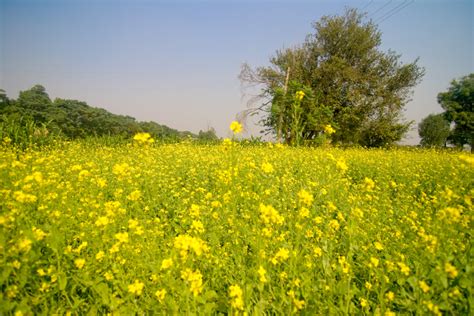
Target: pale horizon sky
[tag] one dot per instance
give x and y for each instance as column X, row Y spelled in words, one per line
column 177, row 62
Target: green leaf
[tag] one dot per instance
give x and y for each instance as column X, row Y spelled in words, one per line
column 103, row 290
column 62, row 281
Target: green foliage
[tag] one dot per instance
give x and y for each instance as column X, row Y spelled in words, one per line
column 290, row 118
column 35, row 103
column 382, row 132
column 75, row 119
column 24, row 133
column 458, row 102
column 208, row 136
column 354, row 85
column 3, row 99
column 163, row 132
column 434, row 130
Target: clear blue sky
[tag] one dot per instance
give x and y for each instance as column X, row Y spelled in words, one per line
column 177, row 62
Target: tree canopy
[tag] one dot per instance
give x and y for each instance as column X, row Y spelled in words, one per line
column 458, row 103
column 208, row 136
column 349, row 83
column 434, row 130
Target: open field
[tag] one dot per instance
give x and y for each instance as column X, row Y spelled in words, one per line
column 188, row 229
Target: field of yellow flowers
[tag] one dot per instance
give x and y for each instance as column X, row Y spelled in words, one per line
column 233, row 229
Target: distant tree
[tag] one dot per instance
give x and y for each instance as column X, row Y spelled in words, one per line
column 355, row 87
column 434, row 130
column 458, row 102
column 160, row 131
column 77, row 119
column 209, row 135
column 35, row 103
column 3, row 98
column 69, row 117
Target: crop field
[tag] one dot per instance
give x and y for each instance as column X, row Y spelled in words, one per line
column 232, row 229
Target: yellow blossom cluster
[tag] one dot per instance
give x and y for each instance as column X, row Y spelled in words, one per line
column 143, row 138
column 235, row 293
column 194, row 280
column 328, row 129
column 136, row 288
column 186, row 243
column 235, row 127
column 269, row 215
column 299, row 95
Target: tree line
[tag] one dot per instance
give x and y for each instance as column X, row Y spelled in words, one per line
column 74, row 119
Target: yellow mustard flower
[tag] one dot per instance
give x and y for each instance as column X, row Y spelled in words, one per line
column 305, row 197
column 194, row 279
column 262, row 274
column 143, row 138
column 160, row 294
column 423, row 286
column 267, row 167
column 235, row 293
column 166, row 263
column 136, row 288
column 235, row 127
column 450, row 270
column 328, row 129
column 122, row 237
column 299, row 95
column 79, row 263
column 389, row 296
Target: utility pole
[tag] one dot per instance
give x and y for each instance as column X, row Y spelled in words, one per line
column 280, row 119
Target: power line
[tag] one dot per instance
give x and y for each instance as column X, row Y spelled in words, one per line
column 367, row 5
column 394, row 11
column 381, row 8
column 389, row 12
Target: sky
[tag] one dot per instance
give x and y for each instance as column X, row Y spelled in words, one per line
column 177, row 62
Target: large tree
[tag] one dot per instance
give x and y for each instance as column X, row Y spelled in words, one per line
column 458, row 102
column 353, row 85
column 434, row 130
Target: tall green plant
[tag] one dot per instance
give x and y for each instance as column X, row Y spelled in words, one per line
column 297, row 119
column 24, row 133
